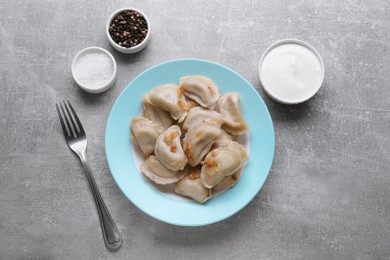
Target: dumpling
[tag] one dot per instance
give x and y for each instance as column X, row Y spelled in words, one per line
column 229, row 106
column 222, row 162
column 228, row 181
column 201, row 89
column 198, row 115
column 157, row 115
column 145, row 133
column 169, row 151
column 198, row 141
column 191, row 186
column 158, row 173
column 169, row 97
column 223, row 140
column 218, row 164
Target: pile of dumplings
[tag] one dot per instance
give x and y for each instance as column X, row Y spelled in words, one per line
column 187, row 134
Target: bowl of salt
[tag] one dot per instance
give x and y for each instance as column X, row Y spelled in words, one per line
column 94, row 69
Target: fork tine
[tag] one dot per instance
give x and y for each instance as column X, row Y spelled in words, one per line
column 72, row 114
column 63, row 124
column 78, row 123
column 68, row 119
column 71, row 120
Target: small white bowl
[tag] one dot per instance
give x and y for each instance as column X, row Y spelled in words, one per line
column 76, row 74
column 289, row 99
column 122, row 49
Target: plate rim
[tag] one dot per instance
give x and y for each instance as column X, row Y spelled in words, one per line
column 203, row 223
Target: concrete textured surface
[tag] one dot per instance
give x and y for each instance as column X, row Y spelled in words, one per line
column 328, row 193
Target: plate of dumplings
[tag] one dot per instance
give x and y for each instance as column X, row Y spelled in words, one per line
column 189, row 142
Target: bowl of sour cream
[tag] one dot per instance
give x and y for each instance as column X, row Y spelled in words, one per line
column 291, row 71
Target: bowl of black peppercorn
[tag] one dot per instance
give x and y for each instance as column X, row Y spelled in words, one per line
column 128, row 30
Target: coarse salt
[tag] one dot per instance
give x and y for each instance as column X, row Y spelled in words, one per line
column 94, row 69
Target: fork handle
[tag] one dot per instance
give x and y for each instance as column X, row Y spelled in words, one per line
column 111, row 236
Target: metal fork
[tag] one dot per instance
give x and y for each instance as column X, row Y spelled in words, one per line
column 77, row 142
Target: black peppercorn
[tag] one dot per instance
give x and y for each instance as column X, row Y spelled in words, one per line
column 128, row 29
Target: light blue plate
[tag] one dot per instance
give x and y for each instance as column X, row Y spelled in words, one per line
column 145, row 196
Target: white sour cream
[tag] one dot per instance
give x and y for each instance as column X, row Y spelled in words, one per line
column 291, row 72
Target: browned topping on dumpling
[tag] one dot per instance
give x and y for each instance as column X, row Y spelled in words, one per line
column 180, row 92
column 193, row 173
column 210, row 163
column 188, row 150
column 169, row 137
column 183, row 106
column 191, row 103
column 212, row 92
column 194, row 176
column 173, row 148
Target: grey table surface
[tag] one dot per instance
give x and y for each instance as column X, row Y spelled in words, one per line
column 327, row 195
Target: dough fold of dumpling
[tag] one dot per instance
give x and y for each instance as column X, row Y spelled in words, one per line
column 228, row 181
column 223, row 140
column 199, row 115
column 171, row 98
column 145, row 134
column 198, row 141
column 222, row 162
column 157, row 115
column 158, row 173
column 191, row 186
column 229, row 106
column 201, row 89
